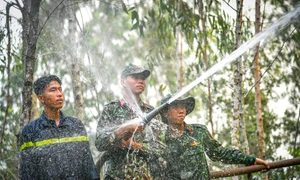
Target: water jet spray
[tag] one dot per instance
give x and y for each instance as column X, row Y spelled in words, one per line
column 274, row 29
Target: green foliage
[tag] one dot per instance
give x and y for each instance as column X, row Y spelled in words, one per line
column 144, row 32
column 9, row 146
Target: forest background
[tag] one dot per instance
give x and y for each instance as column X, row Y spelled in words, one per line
column 252, row 104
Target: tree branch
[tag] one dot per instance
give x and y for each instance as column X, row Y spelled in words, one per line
column 229, row 5
column 276, row 57
column 48, row 17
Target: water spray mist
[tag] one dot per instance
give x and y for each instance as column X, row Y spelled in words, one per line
column 274, row 29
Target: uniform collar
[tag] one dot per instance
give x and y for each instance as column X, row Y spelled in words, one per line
column 123, row 101
column 188, row 129
column 49, row 122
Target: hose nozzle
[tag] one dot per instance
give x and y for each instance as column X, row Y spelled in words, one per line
column 147, row 118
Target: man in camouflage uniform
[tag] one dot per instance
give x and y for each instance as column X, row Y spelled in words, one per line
column 187, row 144
column 130, row 148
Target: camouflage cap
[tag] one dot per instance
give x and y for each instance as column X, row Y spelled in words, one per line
column 188, row 102
column 133, row 69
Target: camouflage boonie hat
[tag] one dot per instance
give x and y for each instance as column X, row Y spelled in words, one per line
column 188, row 102
column 133, row 69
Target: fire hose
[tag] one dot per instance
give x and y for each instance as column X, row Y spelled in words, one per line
column 255, row 168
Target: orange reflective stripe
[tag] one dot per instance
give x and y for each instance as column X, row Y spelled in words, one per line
column 54, row 141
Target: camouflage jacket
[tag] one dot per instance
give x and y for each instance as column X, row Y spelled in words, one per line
column 129, row 163
column 186, row 158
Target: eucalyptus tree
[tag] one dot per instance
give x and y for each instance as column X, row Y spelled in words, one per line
column 74, row 58
column 273, row 57
column 285, row 65
column 30, row 33
column 161, row 18
column 106, row 45
column 238, row 123
column 108, row 42
column 11, row 77
column 203, row 18
column 111, row 46
column 60, row 51
column 287, row 57
column 10, row 129
column 259, row 120
column 166, row 17
column 238, row 136
column 8, row 72
column 52, row 48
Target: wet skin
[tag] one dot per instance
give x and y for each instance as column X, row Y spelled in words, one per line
column 136, row 83
column 176, row 114
column 53, row 100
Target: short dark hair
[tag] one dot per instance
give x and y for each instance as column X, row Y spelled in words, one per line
column 40, row 84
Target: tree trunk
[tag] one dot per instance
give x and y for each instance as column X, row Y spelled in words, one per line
column 239, row 66
column 237, row 100
column 8, row 96
column 259, row 120
column 206, row 61
column 75, row 62
column 30, row 23
column 179, row 50
column 239, row 133
column 30, row 34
